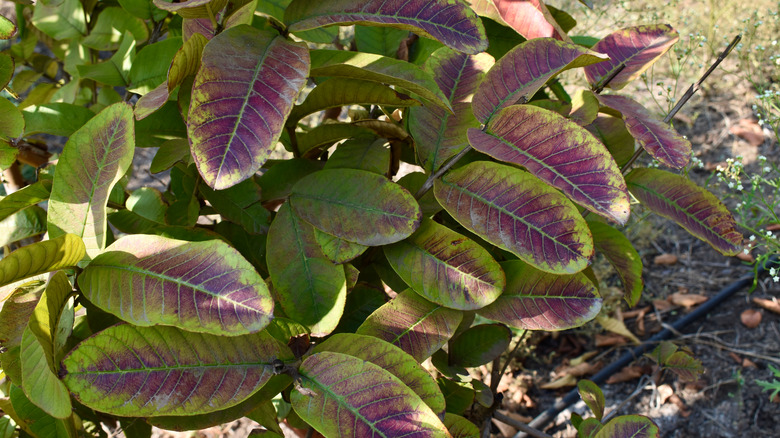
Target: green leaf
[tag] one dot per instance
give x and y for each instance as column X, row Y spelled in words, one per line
column 612, row 132
column 417, row 326
column 278, row 181
column 186, row 61
column 592, row 396
column 629, row 426
column 170, row 153
column 29, row 222
column 24, row 197
column 57, row 118
column 50, row 255
column 40, row 384
column 45, row 320
column 111, row 25
column 8, row 154
column 7, row 28
column 460, row 427
column 148, row 203
column 348, row 396
column 166, row 124
column 144, row 371
column 357, row 206
column 7, row 65
column 38, row 422
column 323, row 136
column 459, row 396
column 192, row 8
column 114, row 72
column 376, row 68
column 479, row 344
column 16, row 312
column 338, row 250
column 447, row 268
column 143, row 9
column 383, row 41
column 685, row 366
column 60, row 22
column 620, row 253
column 151, row 65
column 11, row 120
column 94, row 159
column 205, row 287
column 371, row 155
column 362, row 301
column 390, row 358
column 240, row 204
column 310, row 288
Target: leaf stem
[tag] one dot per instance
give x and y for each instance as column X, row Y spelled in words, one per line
column 520, row 425
column 599, row 87
column 293, row 141
column 442, row 170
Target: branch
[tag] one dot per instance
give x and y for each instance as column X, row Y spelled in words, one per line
column 442, row 170
column 520, row 425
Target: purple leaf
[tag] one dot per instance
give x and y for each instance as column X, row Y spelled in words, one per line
column 446, row 267
column 203, row 26
column 524, row 70
column 149, row 371
column 620, row 253
column 629, row 426
column 192, row 8
column 692, row 207
column 536, row 300
column 337, row 250
column 635, row 47
column 438, row 134
column 660, row 140
column 560, row 153
column 245, row 89
column 203, row 287
column 151, row 101
column 452, row 23
column 529, row 18
column 412, row 323
column 685, row 366
column 592, row 395
column 519, row 213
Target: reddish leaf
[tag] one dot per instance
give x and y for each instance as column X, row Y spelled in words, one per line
column 592, row 395
column 524, row 70
column 685, row 366
column 192, row 8
column 559, row 152
column 629, row 426
column 659, row 140
column 635, row 47
column 529, row 18
column 692, row 207
column 620, row 253
column 517, row 212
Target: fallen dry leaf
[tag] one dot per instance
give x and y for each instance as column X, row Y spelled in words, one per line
column 746, row 257
column 687, row 300
column 582, row 369
column 665, row 391
column 561, row 382
column 631, row 372
column 773, row 227
column 636, row 312
column 662, row 305
column 747, row 363
column 615, row 326
column 770, row 305
column 748, row 130
column 665, row 259
column 751, row 318
column 736, row 358
column 610, row 340
column 684, row 411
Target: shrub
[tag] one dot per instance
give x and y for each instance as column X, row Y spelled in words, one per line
column 286, row 255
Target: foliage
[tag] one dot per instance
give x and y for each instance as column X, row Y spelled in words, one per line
column 773, row 386
column 603, row 426
column 287, row 254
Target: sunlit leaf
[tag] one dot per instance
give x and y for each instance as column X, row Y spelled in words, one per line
column 111, row 24
column 629, row 426
column 585, row 107
column 232, row 129
column 417, row 326
column 460, row 427
column 24, row 197
column 192, row 8
column 517, row 212
column 524, row 70
column 479, row 344
column 536, row 300
column 348, row 396
column 60, row 22
column 50, row 255
column 11, row 120
column 620, row 253
column 635, row 47
column 151, row 65
column 592, row 396
column 204, row 287
column 240, row 204
column 41, row 385
column 116, row 71
column 36, row 421
column 7, row 28
column 56, row 118
column 144, row 371
column 692, row 207
column 529, row 18
column 27, row 223
column 452, row 23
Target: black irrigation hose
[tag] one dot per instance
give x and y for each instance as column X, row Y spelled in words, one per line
column 573, row 396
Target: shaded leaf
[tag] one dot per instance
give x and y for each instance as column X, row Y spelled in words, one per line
column 328, row 133
column 660, row 140
column 390, row 358
column 186, row 61
column 692, row 207
column 479, row 344
column 232, row 129
column 338, row 250
column 370, row 155
column 620, row 253
column 170, row 153
column 143, row 371
column 348, row 396
column 560, row 153
column 592, row 396
column 524, row 70
column 361, row 302
column 633, row 426
column 151, row 65
column 36, row 421
column 111, row 24
column 636, row 47
column 192, row 8
column 447, row 268
column 428, row 203
column 24, row 197
column 11, row 120
column 439, row 134
column 460, row 427
column 310, row 288
column 515, row 211
column 452, row 23
column 278, row 181
column 380, row 40
column 166, row 125
column 356, row 205
column 116, row 70
column 40, row 257
column 612, row 132
column 27, row 223
column 40, row 384
column 417, row 326
column 203, row 287
column 49, row 320
column 56, row 118
column 16, row 312
column 459, row 396
column 685, row 366
column 7, row 66
column 536, row 300
column 585, row 107
column 94, row 159
column 240, row 204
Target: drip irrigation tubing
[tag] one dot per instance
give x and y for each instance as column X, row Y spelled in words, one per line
column 573, row 396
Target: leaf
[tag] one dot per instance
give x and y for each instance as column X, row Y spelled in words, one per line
column 192, row 8
column 278, row 181
column 116, row 70
column 376, row 68
column 111, row 24
column 369, row 155
column 447, row 268
column 166, row 124
column 40, row 257
column 617, row 326
column 328, row 133
column 143, row 9
column 459, row 395
column 16, row 311
column 26, row 223
column 37, row 422
column 536, row 300
column 390, row 358
column 636, row 47
column 337, row 92
column 45, row 322
column 479, row 344
column 24, row 197
column 529, row 18
column 685, row 366
column 60, row 22
column 144, row 371
column 338, row 250
column 170, row 153
column 585, row 107
column 186, row 61
column 439, row 134
column 620, row 253
column 56, row 118
column 633, row 426
column 660, row 140
column 151, row 65
column 612, row 132
column 348, row 396
column 41, row 385
column 7, row 28
column 383, row 41
column 525, row 70
column 357, row 206
column 94, row 159
column 515, row 211
column 11, row 120
column 7, row 66
column 692, row 207
column 452, row 23
column 240, row 204
column 560, row 153
column 205, row 287
column 592, row 395
column 460, row 427
column 415, row 325
column 151, row 102
column 232, row 129
column 310, row 288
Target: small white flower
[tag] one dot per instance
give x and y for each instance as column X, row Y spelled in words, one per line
column 769, row 234
column 746, row 251
column 739, row 187
column 772, row 271
column 767, row 169
column 776, row 278
column 731, row 184
column 752, row 238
